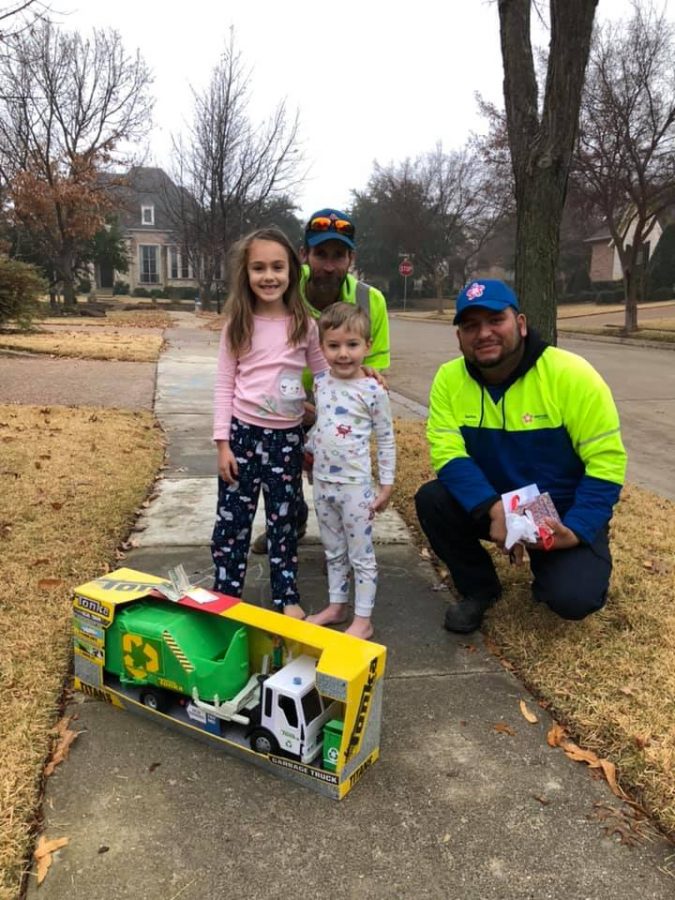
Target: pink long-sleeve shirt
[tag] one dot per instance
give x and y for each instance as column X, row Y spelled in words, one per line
column 264, row 385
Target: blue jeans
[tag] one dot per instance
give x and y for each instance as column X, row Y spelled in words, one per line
column 271, row 459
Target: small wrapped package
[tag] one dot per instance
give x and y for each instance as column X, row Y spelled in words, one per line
column 526, row 510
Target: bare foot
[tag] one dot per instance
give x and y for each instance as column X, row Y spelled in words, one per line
column 361, row 627
column 295, row 611
column 333, row 614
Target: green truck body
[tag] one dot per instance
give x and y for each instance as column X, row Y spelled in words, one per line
column 168, row 646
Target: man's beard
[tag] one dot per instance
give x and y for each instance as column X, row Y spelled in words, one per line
column 326, row 287
column 494, row 363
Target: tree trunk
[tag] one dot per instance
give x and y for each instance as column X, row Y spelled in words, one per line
column 205, row 295
column 65, row 266
column 541, row 146
column 69, row 298
column 540, row 198
column 630, row 321
column 438, row 290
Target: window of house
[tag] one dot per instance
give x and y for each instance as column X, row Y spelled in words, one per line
column 148, row 261
column 179, row 265
column 148, row 215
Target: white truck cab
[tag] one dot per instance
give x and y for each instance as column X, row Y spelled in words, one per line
column 292, row 712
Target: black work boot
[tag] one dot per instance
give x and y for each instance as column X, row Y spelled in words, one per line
column 466, row 615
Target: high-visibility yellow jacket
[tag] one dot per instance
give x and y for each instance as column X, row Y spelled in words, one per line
column 553, row 423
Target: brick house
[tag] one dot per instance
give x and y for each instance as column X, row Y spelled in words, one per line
column 605, row 264
column 155, row 258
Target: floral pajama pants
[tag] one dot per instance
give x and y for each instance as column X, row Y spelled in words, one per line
column 346, row 526
column 271, row 459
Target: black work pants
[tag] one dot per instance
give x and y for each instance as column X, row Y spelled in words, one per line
column 573, row 583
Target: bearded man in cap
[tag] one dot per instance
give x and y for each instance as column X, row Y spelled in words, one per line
column 328, row 254
column 510, row 412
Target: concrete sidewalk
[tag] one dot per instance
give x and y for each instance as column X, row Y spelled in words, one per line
column 453, row 809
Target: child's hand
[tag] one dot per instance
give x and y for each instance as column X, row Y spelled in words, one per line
column 227, row 464
column 308, row 465
column 381, row 502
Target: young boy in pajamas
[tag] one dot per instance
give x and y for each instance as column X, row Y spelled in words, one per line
column 349, row 408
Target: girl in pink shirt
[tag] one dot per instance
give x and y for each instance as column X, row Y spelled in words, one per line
column 267, row 341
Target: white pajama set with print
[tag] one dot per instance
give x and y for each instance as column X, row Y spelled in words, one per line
column 348, row 411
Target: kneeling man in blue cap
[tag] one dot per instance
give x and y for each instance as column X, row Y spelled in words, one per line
column 514, row 411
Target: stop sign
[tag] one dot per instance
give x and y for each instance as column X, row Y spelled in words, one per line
column 405, row 268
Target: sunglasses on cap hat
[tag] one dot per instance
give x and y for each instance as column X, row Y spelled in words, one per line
column 321, row 224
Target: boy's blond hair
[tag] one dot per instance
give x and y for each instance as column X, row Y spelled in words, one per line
column 347, row 315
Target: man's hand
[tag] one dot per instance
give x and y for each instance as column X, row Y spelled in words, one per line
column 227, row 464
column 498, row 524
column 370, row 372
column 563, row 538
column 309, row 414
column 382, row 499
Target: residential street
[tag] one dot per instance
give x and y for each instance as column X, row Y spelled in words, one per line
column 640, row 377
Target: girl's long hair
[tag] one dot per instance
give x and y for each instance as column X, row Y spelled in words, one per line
column 241, row 300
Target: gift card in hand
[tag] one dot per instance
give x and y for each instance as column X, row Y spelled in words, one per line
column 540, row 507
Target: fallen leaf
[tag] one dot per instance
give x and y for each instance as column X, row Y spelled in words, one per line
column 470, row 648
column 528, row 715
column 555, row 736
column 56, row 505
column 641, row 741
column 130, row 544
column 609, row 770
column 43, row 854
column 647, row 564
column 66, row 736
column 503, row 728
column 543, row 800
column 50, row 584
column 575, row 752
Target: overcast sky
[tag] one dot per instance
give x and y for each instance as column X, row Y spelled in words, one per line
column 372, row 80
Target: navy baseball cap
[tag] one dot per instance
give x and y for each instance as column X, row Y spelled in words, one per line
column 329, row 225
column 487, row 293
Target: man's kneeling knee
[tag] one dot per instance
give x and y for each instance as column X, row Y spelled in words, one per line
column 572, row 605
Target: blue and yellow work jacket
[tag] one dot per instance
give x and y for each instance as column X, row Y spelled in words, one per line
column 552, row 423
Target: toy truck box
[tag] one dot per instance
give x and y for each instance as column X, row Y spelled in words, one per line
column 294, row 698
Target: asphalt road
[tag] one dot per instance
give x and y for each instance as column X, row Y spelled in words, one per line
column 642, row 380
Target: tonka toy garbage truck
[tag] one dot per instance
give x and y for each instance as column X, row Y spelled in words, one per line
column 300, row 701
column 166, row 649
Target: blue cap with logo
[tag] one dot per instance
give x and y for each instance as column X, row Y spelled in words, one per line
column 329, row 225
column 487, row 293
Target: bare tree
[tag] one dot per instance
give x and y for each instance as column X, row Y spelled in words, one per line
column 440, row 208
column 20, row 15
column 67, row 106
column 625, row 161
column 232, row 168
column 542, row 140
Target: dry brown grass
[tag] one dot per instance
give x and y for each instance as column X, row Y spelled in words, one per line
column 71, row 481
column 611, row 678
column 142, row 318
column 119, row 345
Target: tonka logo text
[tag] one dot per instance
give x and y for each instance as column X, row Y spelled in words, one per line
column 364, row 707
